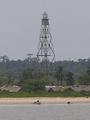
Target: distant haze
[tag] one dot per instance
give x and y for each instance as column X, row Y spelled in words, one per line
column 20, row 22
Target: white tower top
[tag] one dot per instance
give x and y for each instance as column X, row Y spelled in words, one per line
column 45, row 20
column 45, row 15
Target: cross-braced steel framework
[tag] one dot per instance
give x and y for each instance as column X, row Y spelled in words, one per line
column 46, row 52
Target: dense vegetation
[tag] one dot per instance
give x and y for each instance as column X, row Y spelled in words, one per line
column 26, row 73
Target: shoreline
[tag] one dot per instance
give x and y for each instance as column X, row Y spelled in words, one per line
column 45, row 100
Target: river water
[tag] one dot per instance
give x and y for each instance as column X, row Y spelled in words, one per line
column 45, row 112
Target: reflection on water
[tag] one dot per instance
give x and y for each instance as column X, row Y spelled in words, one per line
column 45, row 112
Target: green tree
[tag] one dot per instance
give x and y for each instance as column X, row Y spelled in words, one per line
column 84, row 79
column 88, row 71
column 70, row 79
column 6, row 79
column 27, row 74
column 60, row 75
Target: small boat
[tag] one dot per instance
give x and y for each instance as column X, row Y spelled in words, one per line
column 37, row 102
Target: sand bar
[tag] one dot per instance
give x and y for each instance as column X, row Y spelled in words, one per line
column 44, row 100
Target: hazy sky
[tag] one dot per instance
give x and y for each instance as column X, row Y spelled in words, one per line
column 20, row 22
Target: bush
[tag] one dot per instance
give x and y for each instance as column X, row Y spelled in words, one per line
column 34, row 85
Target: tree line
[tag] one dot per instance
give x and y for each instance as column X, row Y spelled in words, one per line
column 27, row 71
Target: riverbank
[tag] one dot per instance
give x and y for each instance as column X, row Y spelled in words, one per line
column 45, row 100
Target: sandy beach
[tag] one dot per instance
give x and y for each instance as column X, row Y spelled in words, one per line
column 45, row 100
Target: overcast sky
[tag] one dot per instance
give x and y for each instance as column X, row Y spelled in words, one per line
column 20, row 22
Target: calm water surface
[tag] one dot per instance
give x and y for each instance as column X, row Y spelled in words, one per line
column 45, row 112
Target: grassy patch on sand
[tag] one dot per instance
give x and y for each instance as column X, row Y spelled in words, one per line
column 45, row 94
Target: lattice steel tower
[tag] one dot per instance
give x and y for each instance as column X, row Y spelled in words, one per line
column 46, row 52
